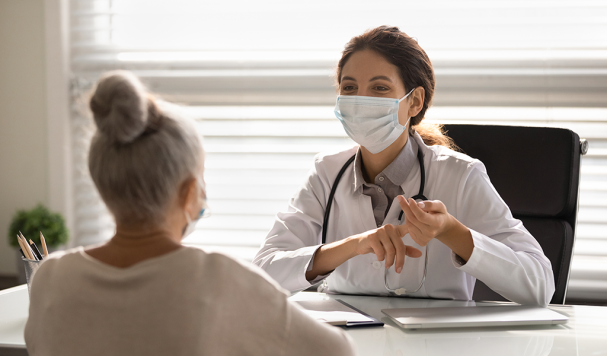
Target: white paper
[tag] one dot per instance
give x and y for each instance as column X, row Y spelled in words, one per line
column 331, row 311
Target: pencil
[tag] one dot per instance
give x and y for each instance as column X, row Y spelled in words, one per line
column 29, row 249
column 43, row 242
column 36, row 251
column 25, row 249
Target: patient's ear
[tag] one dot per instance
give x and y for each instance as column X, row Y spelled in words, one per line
column 188, row 195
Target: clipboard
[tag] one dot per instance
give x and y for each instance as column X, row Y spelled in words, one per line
column 337, row 312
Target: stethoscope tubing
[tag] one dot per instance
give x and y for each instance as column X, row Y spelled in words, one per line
column 325, row 221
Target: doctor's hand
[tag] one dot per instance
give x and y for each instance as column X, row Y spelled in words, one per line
column 387, row 244
column 429, row 220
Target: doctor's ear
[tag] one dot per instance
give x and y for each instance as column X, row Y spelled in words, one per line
column 416, row 101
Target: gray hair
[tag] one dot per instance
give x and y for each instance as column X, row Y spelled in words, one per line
column 143, row 150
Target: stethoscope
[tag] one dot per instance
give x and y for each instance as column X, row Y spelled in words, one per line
column 419, row 196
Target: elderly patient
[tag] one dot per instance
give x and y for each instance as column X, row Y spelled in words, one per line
column 143, row 293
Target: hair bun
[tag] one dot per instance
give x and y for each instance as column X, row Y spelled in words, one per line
column 120, row 106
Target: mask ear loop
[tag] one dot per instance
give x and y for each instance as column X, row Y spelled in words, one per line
column 205, row 210
column 404, row 97
column 189, row 221
column 187, row 217
column 200, row 186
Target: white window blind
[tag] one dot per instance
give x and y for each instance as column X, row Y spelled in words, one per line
column 258, row 78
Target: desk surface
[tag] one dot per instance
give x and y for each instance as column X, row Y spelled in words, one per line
column 585, row 334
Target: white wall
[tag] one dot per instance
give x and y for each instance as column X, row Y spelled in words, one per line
column 23, row 132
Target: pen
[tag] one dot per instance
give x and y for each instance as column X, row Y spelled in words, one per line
column 43, row 242
column 36, row 251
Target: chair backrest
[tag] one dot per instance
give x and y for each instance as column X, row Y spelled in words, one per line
column 536, row 171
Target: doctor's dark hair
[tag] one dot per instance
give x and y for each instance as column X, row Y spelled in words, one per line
column 414, row 67
column 143, row 151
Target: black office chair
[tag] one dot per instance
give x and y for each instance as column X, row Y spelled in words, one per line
column 536, row 171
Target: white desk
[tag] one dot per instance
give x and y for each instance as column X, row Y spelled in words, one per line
column 585, row 334
column 14, row 304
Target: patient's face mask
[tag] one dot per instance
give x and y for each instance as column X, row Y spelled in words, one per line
column 370, row 121
column 204, row 211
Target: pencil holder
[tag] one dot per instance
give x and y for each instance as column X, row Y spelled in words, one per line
column 30, row 269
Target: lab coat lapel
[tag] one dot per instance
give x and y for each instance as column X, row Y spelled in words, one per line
column 393, row 213
column 365, row 209
column 411, row 185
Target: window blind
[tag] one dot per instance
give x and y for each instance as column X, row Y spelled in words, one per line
column 258, row 78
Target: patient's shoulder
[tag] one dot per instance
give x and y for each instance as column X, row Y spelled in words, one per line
column 229, row 271
column 61, row 259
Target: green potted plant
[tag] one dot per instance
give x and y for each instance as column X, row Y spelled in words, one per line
column 30, row 223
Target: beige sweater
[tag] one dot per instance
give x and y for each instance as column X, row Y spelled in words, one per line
column 187, row 302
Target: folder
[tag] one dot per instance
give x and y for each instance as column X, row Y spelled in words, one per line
column 337, row 312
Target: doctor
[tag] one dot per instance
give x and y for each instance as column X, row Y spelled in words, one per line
column 409, row 215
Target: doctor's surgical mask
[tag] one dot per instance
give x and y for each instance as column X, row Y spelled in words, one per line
column 370, row 121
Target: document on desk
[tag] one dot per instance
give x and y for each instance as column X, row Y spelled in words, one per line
column 336, row 312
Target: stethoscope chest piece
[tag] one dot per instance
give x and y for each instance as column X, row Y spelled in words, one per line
column 400, row 291
column 403, row 291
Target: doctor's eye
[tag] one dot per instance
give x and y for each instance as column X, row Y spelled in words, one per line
column 347, row 88
column 381, row 88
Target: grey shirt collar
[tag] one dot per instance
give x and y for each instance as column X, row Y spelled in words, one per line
column 397, row 171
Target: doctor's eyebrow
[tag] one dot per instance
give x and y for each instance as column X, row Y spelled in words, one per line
column 377, row 77
column 380, row 77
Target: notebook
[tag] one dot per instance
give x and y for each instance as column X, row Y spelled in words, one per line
column 337, row 312
column 450, row 317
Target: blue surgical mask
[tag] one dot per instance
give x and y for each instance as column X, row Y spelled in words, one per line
column 370, row 121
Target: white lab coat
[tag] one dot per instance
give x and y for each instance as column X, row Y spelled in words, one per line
column 505, row 257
